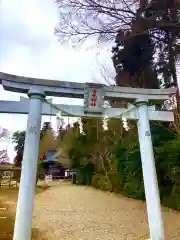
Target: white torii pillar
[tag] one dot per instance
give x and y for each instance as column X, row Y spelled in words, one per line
column 146, row 149
column 24, row 211
column 149, row 172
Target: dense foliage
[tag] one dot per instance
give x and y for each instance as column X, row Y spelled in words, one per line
column 18, row 139
column 111, row 160
column 46, row 127
column 135, row 57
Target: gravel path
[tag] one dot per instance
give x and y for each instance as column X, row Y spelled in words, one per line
column 67, row 212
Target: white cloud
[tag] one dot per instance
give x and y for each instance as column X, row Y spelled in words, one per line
column 28, row 47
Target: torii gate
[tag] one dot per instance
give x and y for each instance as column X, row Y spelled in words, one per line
column 38, row 89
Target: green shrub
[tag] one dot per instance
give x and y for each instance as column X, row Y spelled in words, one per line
column 102, row 182
column 84, row 174
column 116, row 185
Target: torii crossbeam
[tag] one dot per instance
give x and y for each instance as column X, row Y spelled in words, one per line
column 94, row 96
column 22, row 107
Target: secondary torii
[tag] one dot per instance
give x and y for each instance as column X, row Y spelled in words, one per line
column 94, row 96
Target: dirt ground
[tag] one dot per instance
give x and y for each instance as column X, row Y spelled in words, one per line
column 70, row 212
column 8, row 199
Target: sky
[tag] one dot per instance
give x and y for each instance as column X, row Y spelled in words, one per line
column 28, row 47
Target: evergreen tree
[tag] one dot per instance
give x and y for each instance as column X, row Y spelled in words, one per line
column 18, row 139
column 46, row 127
column 164, row 20
column 135, row 56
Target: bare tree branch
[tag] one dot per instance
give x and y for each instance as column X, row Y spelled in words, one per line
column 90, row 18
column 107, row 75
column 4, row 133
column 103, row 19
